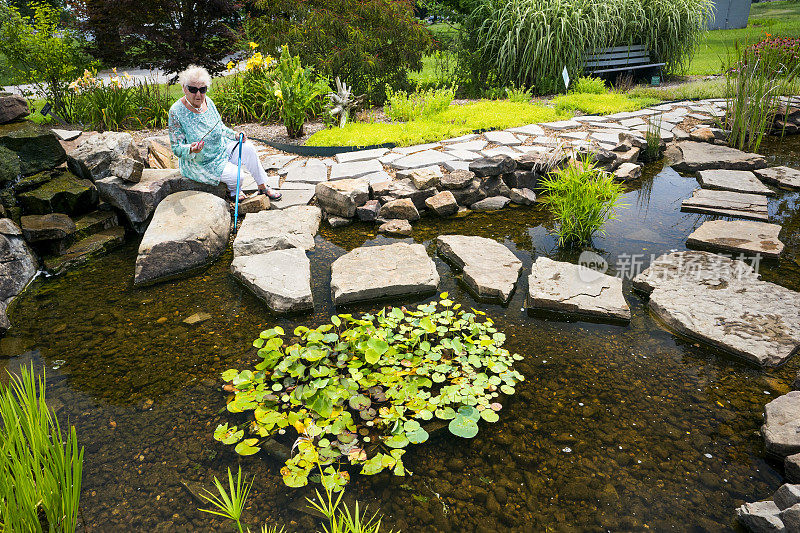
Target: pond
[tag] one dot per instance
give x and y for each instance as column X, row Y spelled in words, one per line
column 615, row 428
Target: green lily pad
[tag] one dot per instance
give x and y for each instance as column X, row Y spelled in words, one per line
column 489, row 415
column 462, row 426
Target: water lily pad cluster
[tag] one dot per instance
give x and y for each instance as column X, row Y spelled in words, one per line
column 359, row 390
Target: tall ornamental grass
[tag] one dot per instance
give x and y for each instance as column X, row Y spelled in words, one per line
column 40, row 468
column 529, row 42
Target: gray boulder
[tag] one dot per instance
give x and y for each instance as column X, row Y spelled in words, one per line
column 786, row 496
column 342, row 197
column 791, row 467
column 293, row 227
column 628, row 172
column 403, row 209
column 138, row 201
column 12, row 108
column 18, row 266
column 489, row 268
column 37, row 228
column 9, row 166
column 781, row 424
column 492, row 203
column 369, row 211
column 761, row 517
column 127, row 169
column 64, row 193
column 443, row 204
column 94, row 157
column 457, row 179
column 38, row 148
column 791, row 518
column 281, row 278
column 492, row 166
column 387, row 191
column 376, row 272
column 523, row 196
column 189, row 230
column 397, row 227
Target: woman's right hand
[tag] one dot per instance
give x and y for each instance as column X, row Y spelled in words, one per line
column 196, row 147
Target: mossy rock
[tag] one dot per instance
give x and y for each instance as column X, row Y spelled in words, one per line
column 38, row 148
column 28, row 183
column 9, row 166
column 62, row 194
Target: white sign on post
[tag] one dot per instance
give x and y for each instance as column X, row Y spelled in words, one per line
column 565, row 75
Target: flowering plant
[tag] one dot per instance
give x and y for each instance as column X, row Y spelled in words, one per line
column 784, row 51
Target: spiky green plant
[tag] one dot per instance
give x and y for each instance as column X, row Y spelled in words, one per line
column 652, row 148
column 529, row 42
column 582, row 199
column 40, row 469
column 229, row 504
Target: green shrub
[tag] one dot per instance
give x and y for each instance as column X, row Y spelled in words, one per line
column 529, row 42
column 404, row 107
column 519, row 94
column 454, row 121
column 42, row 53
column 299, row 92
column 582, row 199
column 589, row 85
column 40, row 470
column 600, row 104
column 357, row 391
column 365, row 43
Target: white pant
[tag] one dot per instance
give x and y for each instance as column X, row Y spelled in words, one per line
column 250, row 161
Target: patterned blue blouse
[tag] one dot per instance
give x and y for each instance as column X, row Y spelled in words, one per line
column 187, row 127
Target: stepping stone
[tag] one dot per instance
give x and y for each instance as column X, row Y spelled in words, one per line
column 422, row 159
column 472, row 146
column 503, row 150
column 489, row 268
column 356, row 169
column 276, row 162
column 579, row 135
column 189, row 230
column 691, row 156
column 377, row 177
column 610, row 137
column 87, row 248
column 502, row 137
column 781, row 176
column 376, row 272
column 266, row 231
column 781, row 423
column 281, row 278
column 464, row 155
column 574, row 289
column 408, row 150
column 733, row 180
column 388, row 158
column 590, row 118
column 547, row 141
column 697, row 267
column 531, row 129
column 308, row 174
column 631, row 122
column 738, row 236
column 462, row 138
column 293, row 197
column 460, row 164
column 561, row 125
column 361, row 155
column 727, row 203
column 297, row 186
column 725, row 306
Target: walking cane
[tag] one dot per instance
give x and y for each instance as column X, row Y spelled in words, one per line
column 238, row 186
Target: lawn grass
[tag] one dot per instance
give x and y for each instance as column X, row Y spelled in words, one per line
column 781, row 19
column 453, row 122
column 601, row 104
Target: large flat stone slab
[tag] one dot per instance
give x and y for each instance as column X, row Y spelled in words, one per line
column 355, row 169
column 691, row 156
column 733, row 180
column 361, row 155
column 189, row 230
column 293, row 196
column 781, row 176
column 307, row 174
column 738, row 236
column 490, row 269
column 375, row 272
column 725, row 306
column 573, row 289
column 138, row 201
column 425, row 158
column 727, row 203
column 266, row 231
column 693, row 267
column 781, row 429
column 281, row 278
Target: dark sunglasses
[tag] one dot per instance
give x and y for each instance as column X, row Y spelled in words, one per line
column 194, row 90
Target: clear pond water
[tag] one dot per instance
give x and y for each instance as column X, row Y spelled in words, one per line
column 618, row 428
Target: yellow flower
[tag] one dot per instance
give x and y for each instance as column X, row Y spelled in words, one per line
column 115, row 70
column 278, row 94
column 229, row 66
column 126, row 76
column 253, row 45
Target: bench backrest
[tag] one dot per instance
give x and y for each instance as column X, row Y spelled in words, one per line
column 618, row 55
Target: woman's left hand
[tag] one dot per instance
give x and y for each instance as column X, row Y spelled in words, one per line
column 239, row 134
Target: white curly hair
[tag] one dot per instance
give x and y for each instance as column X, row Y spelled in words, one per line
column 195, row 75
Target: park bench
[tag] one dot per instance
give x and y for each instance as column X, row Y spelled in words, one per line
column 619, row 59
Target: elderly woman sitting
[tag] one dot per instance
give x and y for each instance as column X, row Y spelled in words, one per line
column 206, row 148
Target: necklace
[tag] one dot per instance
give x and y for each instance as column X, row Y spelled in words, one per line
column 192, row 105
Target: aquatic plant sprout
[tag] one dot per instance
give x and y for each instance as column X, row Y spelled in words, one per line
column 359, row 390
